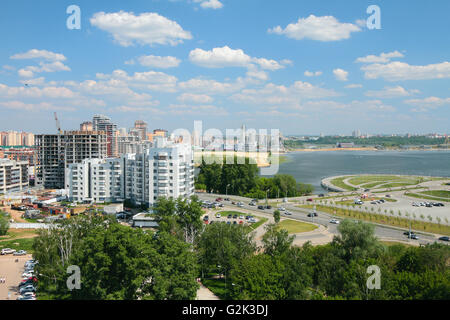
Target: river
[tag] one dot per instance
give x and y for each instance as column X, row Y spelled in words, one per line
column 312, row 167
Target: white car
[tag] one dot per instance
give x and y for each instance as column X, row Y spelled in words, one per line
column 20, row 253
column 241, row 217
column 288, row 213
column 7, row 251
column 218, row 216
column 240, row 205
column 281, row 209
column 334, row 221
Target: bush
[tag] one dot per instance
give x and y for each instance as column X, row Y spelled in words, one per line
column 4, row 224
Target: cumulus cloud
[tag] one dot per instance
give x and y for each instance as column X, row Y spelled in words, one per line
column 227, row 57
column 159, row 62
column 196, row 98
column 382, row 58
column 34, row 107
column 397, row 71
column 326, row 28
column 353, row 86
column 28, row 72
column 427, row 104
column 205, row 110
column 210, row 4
column 312, row 74
column 391, row 92
column 39, row 54
column 146, row 29
column 340, row 74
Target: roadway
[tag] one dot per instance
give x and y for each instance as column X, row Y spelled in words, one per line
column 382, row 232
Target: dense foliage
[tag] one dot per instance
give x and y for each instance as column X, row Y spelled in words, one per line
column 4, row 223
column 115, row 261
column 243, row 180
column 337, row 270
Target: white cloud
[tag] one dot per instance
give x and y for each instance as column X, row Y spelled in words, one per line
column 391, row 92
column 382, row 58
column 210, row 4
column 340, row 74
column 397, row 71
column 204, row 110
column 312, row 74
column 39, row 54
column 209, row 86
column 326, row 28
column 272, row 94
column 35, row 92
column 196, row 98
column 34, row 82
column 159, row 62
column 146, row 29
column 34, row 107
column 227, row 57
column 28, row 72
column 354, row 86
column 427, row 104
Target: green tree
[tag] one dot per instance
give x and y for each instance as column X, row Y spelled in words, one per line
column 276, row 216
column 4, row 223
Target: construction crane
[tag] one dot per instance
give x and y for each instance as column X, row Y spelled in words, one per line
column 58, row 125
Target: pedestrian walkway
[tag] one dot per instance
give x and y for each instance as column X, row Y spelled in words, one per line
column 204, row 293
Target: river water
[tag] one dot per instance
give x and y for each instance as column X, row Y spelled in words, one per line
column 312, row 167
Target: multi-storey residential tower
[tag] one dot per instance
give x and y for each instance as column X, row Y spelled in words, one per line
column 13, row 175
column 103, row 123
column 56, row 151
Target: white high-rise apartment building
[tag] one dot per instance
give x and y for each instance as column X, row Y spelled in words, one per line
column 166, row 170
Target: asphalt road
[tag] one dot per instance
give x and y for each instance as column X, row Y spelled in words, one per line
column 383, row 233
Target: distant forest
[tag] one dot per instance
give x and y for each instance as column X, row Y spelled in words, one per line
column 372, row 141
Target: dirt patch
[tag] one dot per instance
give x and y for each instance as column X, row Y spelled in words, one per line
column 12, row 271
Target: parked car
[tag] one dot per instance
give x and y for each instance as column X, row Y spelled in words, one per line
column 444, row 238
column 28, row 288
column 269, row 207
column 7, row 251
column 252, row 204
column 310, row 199
column 218, row 215
column 226, row 199
column 334, row 221
column 27, row 296
column 219, row 199
column 20, row 253
column 240, row 205
column 230, row 216
column 206, row 218
column 235, row 216
column 241, row 217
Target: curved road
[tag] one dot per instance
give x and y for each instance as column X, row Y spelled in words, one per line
column 382, row 232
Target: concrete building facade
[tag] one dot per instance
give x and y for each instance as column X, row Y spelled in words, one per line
column 165, row 170
column 13, row 175
column 56, row 152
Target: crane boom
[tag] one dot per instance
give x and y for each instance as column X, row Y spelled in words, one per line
column 58, row 126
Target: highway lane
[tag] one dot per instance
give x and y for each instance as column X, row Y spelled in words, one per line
column 382, row 232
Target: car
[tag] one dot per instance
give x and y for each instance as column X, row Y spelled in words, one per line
column 241, row 217
column 428, row 205
column 28, row 281
column 440, row 204
column 388, row 196
column 334, row 221
column 230, row 216
column 414, row 236
column 321, row 195
column 7, row 251
column 444, row 238
column 247, row 217
column 406, row 233
column 206, row 218
column 20, row 253
column 252, row 204
column 415, row 204
column 374, row 202
column 235, row 216
column 288, row 213
column 240, row 205
column 228, row 222
column 234, row 222
column 26, row 298
column 252, row 220
column 381, row 201
column 358, row 201
column 261, row 207
column 366, row 190
column 27, row 274
column 282, row 209
column 269, row 207
column 226, row 199
column 312, row 214
column 219, row 199
column 28, row 288
column 218, row 215
column 310, row 199
column 233, row 202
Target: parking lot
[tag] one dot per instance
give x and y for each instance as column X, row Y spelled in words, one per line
column 12, row 272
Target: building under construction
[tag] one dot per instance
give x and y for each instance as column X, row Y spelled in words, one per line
column 55, row 152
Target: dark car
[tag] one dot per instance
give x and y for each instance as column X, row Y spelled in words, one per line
column 226, row 199
column 406, row 233
column 261, row 207
column 444, row 238
column 235, row 216
column 269, row 207
column 321, row 195
column 230, row 216
column 312, row 214
column 206, row 218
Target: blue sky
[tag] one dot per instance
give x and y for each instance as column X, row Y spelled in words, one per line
column 304, row 67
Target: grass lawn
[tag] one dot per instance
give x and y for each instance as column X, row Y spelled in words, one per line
column 293, row 226
column 427, row 197
column 438, row 193
column 260, row 222
column 339, row 182
column 18, row 244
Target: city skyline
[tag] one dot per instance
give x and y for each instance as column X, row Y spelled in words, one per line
column 296, row 67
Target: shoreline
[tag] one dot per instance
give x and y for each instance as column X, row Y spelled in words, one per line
column 360, row 149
